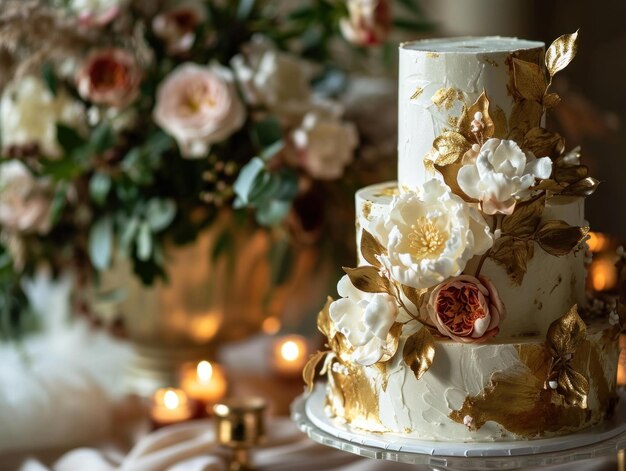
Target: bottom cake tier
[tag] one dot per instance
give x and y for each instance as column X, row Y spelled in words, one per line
column 474, row 392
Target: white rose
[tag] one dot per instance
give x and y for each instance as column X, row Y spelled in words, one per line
column 29, row 113
column 325, row 145
column 365, row 319
column 430, row 235
column 96, row 12
column 501, row 174
column 24, row 201
column 198, row 106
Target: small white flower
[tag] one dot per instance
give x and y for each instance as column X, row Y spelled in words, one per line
column 430, row 235
column 553, row 384
column 501, row 174
column 620, row 252
column 613, row 318
column 365, row 319
column 468, row 421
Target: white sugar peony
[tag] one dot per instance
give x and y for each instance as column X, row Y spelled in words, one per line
column 365, row 319
column 500, row 174
column 325, row 145
column 430, row 235
column 198, row 106
column 29, row 114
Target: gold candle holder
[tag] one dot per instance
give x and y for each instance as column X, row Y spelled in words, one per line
column 240, row 425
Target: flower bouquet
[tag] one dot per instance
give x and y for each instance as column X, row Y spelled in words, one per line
column 130, row 126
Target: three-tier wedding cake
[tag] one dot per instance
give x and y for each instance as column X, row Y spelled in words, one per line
column 465, row 318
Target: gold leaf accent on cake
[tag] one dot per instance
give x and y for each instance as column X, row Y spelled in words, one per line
column 450, row 147
column 392, row 342
column 551, row 100
column 566, row 333
column 525, row 115
column 561, row 52
column 525, row 218
column 530, row 81
column 310, row 369
column 543, row 143
column 368, row 279
column 432, row 55
column 418, row 91
column 324, row 323
column 513, row 254
column 419, row 352
column 559, row 238
column 371, row 248
column 367, row 209
column 388, row 191
column 465, row 122
column 360, row 397
column 452, row 121
column 446, row 96
column 501, row 127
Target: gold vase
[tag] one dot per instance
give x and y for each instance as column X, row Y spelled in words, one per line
column 207, row 300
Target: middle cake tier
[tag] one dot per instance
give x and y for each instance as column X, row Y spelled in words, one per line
column 551, row 285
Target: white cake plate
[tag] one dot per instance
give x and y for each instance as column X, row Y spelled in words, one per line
column 605, row 439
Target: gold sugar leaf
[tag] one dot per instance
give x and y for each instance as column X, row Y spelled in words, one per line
column 393, row 340
column 324, row 323
column 465, row 121
column 543, row 143
column 571, row 174
column 418, row 91
column 561, row 52
column 445, row 97
column 449, row 174
column 341, row 347
column 530, row 81
column 513, row 255
column 559, row 238
column 414, row 295
column 370, row 248
column 525, row 218
column 450, row 147
column 367, row 279
column 419, row 352
column 573, row 386
column 550, row 100
column 525, row 115
column 585, row 187
column 549, row 185
column 309, row 371
column 566, row 333
column 501, row 127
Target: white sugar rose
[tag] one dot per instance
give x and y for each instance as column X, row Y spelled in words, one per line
column 365, row 319
column 500, row 173
column 25, row 201
column 325, row 145
column 198, row 106
column 368, row 23
column 29, row 114
column 430, row 235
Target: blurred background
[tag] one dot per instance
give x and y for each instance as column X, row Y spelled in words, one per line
column 147, row 273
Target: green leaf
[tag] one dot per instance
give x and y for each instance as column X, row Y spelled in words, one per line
column 144, row 242
column 99, row 187
column 267, row 132
column 160, row 213
column 49, row 77
column 101, row 243
column 59, row 201
column 129, row 232
column 102, row 138
column 63, row 169
column 245, row 181
column 244, row 9
column 273, row 212
column 68, row 138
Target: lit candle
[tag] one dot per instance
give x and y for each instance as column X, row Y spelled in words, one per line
column 204, row 382
column 170, row 406
column 290, row 355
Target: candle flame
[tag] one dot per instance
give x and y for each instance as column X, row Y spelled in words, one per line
column 290, row 350
column 171, row 400
column 205, row 371
column 603, row 275
column 598, row 242
column 271, row 325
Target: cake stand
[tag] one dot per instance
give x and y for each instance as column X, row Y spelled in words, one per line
column 606, row 439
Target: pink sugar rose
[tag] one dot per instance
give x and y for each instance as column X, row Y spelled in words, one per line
column 466, row 309
column 198, row 106
column 109, row 77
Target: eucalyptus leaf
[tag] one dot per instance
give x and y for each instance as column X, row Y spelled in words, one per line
column 273, row 212
column 144, row 242
column 160, row 213
column 128, row 234
column 99, row 187
column 101, row 243
column 244, row 184
column 102, row 138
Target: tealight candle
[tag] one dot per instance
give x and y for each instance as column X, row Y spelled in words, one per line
column 204, row 382
column 290, row 355
column 170, row 406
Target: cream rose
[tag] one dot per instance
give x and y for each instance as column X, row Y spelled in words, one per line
column 500, row 173
column 24, row 200
column 198, row 106
column 368, row 23
column 177, row 26
column 430, row 235
column 325, row 145
column 365, row 319
column 96, row 12
column 29, row 114
column 109, row 77
column 466, row 309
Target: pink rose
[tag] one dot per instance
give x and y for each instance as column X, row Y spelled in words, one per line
column 466, row 309
column 198, row 106
column 109, row 77
column 177, row 27
column 369, row 22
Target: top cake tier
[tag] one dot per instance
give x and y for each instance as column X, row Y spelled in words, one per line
column 438, row 78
